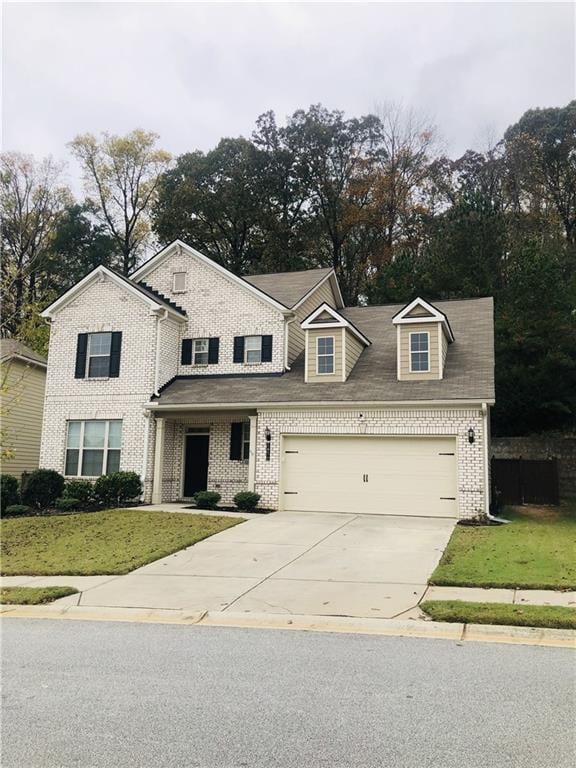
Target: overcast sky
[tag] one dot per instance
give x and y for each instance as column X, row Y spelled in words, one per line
column 197, row 72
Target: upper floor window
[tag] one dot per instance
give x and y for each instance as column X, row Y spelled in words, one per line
column 99, row 348
column 93, row 447
column 253, row 349
column 325, row 354
column 200, row 351
column 178, row 282
column 420, row 351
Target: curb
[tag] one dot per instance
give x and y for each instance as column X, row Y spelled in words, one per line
column 556, row 638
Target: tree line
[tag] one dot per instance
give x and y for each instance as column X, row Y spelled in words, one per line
column 373, row 197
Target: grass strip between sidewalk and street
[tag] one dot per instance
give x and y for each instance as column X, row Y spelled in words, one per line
column 115, row 541
column 534, row 551
column 33, row 595
column 551, row 616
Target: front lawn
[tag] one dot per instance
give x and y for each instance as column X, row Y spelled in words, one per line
column 111, row 542
column 553, row 616
column 537, row 550
column 33, row 595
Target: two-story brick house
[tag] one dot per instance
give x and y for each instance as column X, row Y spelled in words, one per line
column 198, row 379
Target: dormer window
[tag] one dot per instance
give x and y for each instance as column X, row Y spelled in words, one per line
column 420, row 351
column 178, row 282
column 325, row 354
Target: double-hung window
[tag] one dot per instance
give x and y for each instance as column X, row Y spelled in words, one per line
column 93, row 447
column 246, row 440
column 325, row 354
column 200, row 351
column 253, row 349
column 420, row 351
column 99, row 347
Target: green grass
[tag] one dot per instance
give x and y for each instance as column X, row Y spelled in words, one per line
column 537, row 550
column 553, row 616
column 33, row 595
column 110, row 542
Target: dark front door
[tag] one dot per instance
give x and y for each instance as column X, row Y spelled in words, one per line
column 196, row 464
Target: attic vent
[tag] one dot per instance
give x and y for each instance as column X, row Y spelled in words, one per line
column 178, row 282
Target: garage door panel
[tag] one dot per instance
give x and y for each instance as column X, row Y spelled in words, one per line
column 372, row 475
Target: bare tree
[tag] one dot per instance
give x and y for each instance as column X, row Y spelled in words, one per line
column 32, row 198
column 121, row 175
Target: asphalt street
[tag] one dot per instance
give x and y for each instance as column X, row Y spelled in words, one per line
column 95, row 694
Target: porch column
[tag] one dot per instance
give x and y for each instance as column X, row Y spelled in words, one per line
column 252, row 453
column 158, row 460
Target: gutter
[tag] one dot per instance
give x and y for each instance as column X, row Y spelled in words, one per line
column 485, row 428
column 295, row 405
column 157, row 360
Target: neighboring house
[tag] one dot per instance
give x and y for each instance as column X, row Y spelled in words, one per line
column 196, row 379
column 23, row 379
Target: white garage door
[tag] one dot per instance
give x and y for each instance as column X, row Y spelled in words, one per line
column 370, row 475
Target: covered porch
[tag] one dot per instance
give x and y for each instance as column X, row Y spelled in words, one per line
column 194, row 450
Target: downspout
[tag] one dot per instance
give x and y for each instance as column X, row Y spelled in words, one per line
column 485, row 430
column 157, row 362
column 286, row 335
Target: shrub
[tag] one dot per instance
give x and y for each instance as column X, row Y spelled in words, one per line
column 8, row 491
column 207, row 499
column 43, row 487
column 67, row 504
column 247, row 500
column 18, row 510
column 82, row 490
column 117, row 487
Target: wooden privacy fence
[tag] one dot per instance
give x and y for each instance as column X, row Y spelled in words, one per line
column 525, row 481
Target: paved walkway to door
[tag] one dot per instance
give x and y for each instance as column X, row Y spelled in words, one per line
column 286, row 563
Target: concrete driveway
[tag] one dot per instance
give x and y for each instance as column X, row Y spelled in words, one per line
column 291, row 563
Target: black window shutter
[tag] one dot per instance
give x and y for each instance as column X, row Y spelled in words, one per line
column 115, row 349
column 213, row 347
column 238, row 349
column 81, row 351
column 186, row 356
column 236, row 441
column 266, row 349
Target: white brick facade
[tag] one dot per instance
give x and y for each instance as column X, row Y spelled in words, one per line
column 216, row 306
column 385, row 421
column 150, row 357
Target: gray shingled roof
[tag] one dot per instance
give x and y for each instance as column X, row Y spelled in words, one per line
column 469, row 372
column 11, row 347
column 288, row 287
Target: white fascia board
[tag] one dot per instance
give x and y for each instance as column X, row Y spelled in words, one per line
column 100, row 270
column 231, row 277
column 308, row 323
column 436, row 316
column 335, row 405
column 23, row 359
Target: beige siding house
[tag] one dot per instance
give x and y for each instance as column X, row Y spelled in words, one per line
column 23, row 381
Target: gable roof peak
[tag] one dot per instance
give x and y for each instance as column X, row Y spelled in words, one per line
column 431, row 315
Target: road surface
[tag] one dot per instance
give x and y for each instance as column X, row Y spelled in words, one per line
column 97, row 694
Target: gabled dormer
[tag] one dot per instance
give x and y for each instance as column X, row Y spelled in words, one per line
column 332, row 345
column 423, row 335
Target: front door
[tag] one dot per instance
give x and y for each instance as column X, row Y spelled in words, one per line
column 196, row 464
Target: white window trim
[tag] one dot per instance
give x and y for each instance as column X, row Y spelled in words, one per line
column 81, row 448
column 194, row 351
column 89, row 355
column 245, row 441
column 246, row 350
column 333, row 356
column 417, row 333
column 179, row 290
